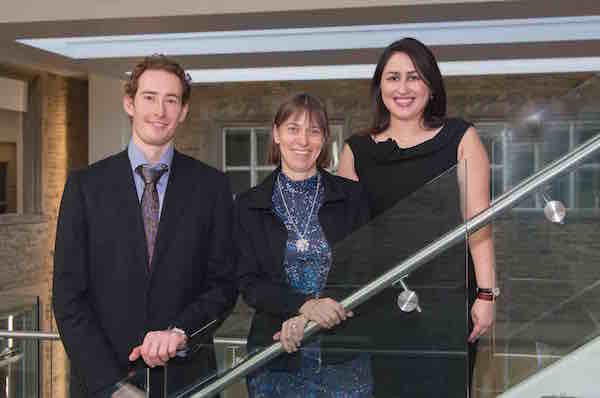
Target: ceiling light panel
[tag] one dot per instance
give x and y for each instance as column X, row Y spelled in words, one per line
column 324, row 38
column 453, row 68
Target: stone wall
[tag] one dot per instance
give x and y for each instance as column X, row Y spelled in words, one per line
column 27, row 241
column 213, row 107
column 64, row 148
column 21, row 250
column 477, row 98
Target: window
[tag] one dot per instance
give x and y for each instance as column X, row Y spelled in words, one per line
column 493, row 138
column 586, row 180
column 3, row 188
column 8, row 177
column 515, row 155
column 245, row 154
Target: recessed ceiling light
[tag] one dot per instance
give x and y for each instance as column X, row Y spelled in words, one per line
column 365, row 71
column 324, row 38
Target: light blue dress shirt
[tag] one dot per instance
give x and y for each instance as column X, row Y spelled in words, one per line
column 137, row 157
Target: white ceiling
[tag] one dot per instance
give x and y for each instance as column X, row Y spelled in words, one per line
column 65, row 10
column 334, row 36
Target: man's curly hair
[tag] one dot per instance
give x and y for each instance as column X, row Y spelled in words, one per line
column 159, row 62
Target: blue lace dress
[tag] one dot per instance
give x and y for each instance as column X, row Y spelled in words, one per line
column 306, row 272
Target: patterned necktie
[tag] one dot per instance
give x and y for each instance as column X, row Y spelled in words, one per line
column 150, row 204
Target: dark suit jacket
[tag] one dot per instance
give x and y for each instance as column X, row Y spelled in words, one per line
column 104, row 298
column 260, row 239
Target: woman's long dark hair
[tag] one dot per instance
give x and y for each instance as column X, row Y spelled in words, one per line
column 427, row 67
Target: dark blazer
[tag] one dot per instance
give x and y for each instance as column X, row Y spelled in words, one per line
column 105, row 299
column 260, row 239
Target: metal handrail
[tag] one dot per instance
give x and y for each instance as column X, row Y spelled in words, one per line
column 457, row 235
column 21, row 334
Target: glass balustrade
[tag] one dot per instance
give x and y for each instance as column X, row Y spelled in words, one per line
column 545, row 341
column 19, row 358
column 393, row 344
column 548, row 314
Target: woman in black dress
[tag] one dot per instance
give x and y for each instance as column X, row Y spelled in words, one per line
column 410, row 142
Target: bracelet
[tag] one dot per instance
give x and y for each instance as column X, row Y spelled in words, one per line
column 488, row 294
column 490, row 290
column 179, row 331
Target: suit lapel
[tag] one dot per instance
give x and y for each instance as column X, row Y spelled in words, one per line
column 130, row 213
column 178, row 189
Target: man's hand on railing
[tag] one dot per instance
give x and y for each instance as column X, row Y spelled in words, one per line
column 158, row 347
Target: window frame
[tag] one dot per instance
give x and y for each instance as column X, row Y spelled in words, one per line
column 253, row 167
column 4, row 187
column 336, row 130
column 572, row 201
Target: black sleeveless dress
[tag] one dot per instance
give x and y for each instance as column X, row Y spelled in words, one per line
column 412, row 202
column 389, row 173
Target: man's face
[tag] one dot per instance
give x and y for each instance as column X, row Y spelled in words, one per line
column 156, row 109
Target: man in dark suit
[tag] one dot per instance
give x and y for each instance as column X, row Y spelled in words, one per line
column 142, row 257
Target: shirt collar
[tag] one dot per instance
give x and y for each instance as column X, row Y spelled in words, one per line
column 137, row 157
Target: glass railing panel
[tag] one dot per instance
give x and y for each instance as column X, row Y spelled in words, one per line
column 381, row 351
column 214, row 350
column 550, row 285
column 230, row 347
column 410, row 344
column 33, row 362
column 19, row 358
column 212, row 356
column 140, row 383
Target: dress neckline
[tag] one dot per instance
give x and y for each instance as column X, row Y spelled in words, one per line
column 298, row 186
column 389, row 151
column 439, row 130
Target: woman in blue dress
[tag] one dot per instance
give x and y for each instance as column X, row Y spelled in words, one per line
column 284, row 231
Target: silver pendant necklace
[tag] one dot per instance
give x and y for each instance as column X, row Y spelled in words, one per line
column 302, row 243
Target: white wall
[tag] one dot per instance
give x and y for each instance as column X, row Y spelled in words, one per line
column 10, row 125
column 575, row 375
column 14, row 95
column 109, row 126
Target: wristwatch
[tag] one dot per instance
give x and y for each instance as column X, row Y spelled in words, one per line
column 488, row 294
column 182, row 351
column 180, row 331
